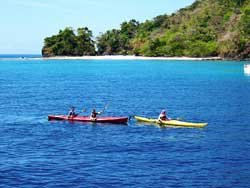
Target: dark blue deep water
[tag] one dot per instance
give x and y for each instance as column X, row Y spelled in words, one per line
column 38, row 153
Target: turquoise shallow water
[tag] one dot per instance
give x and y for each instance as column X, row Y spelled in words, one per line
column 38, row 153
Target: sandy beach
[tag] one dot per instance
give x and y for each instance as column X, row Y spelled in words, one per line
column 120, row 57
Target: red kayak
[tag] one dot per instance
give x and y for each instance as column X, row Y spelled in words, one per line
column 117, row 120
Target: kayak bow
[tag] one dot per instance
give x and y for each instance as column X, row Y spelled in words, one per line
column 115, row 120
column 170, row 122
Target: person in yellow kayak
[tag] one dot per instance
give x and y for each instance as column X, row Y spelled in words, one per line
column 163, row 116
column 94, row 114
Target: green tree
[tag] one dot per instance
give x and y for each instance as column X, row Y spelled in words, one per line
column 118, row 41
column 67, row 43
column 85, row 44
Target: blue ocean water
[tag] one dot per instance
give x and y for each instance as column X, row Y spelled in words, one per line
column 19, row 56
column 38, row 153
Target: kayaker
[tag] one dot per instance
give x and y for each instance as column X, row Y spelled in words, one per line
column 163, row 116
column 94, row 114
column 72, row 112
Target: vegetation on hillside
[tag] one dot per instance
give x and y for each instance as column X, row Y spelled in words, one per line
column 67, row 43
column 118, row 41
column 205, row 28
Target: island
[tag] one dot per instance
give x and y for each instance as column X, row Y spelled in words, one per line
column 205, row 29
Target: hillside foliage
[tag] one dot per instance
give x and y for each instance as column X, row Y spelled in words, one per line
column 67, row 43
column 205, row 28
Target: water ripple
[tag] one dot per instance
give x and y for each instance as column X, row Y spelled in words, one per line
column 38, row 153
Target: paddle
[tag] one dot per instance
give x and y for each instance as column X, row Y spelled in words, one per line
column 83, row 110
column 180, row 119
column 160, row 122
column 130, row 117
column 105, row 108
column 76, row 114
column 133, row 116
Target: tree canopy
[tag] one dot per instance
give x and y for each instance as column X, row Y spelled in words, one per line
column 205, row 28
column 69, row 43
column 118, row 41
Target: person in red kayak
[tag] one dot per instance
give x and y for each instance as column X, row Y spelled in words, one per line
column 94, row 114
column 163, row 116
column 72, row 113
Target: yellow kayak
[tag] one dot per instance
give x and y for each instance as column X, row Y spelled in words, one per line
column 170, row 122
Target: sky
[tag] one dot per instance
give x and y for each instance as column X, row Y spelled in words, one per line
column 25, row 23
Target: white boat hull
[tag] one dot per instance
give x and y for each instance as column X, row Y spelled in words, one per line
column 247, row 69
